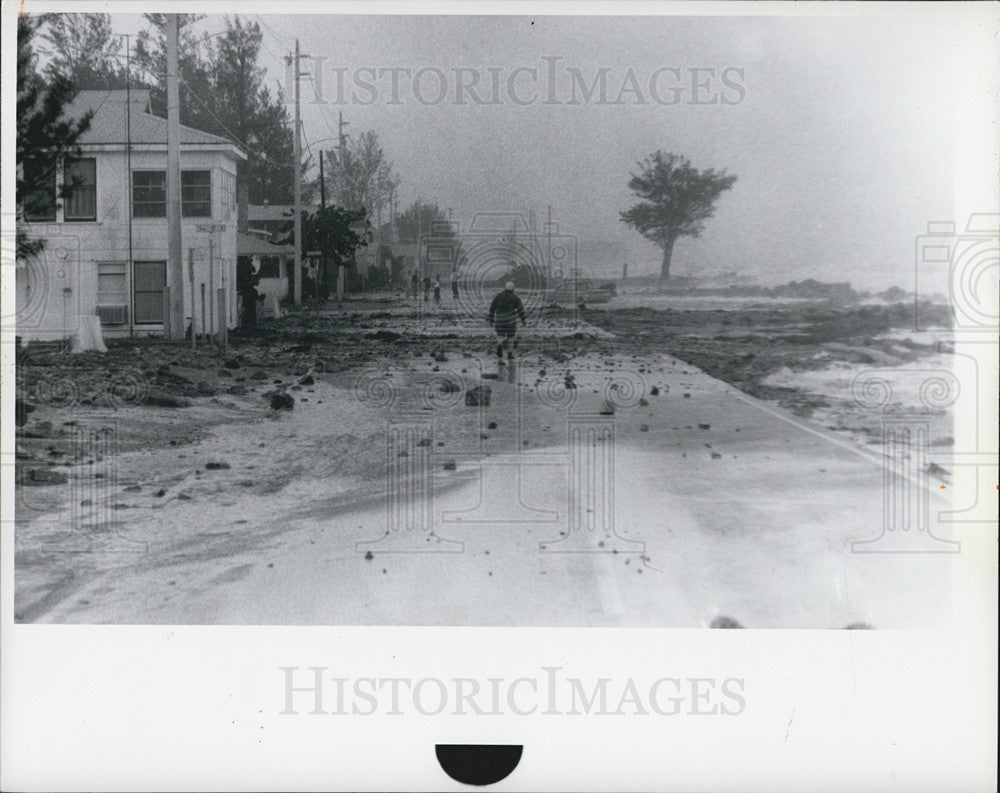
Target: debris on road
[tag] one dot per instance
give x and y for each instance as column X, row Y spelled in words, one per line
column 44, row 476
column 478, row 396
column 282, row 401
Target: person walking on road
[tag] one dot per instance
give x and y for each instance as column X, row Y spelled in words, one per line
column 427, row 288
column 437, row 291
column 454, row 285
column 504, row 312
column 415, row 285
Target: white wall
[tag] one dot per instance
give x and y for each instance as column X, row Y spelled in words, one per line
column 273, row 287
column 62, row 286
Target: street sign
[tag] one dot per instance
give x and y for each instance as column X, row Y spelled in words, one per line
column 314, row 253
column 209, row 228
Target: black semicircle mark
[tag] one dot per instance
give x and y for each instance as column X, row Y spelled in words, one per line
column 478, row 764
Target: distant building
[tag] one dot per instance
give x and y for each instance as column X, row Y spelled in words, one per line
column 271, row 262
column 91, row 263
column 273, row 222
column 408, row 255
column 436, row 258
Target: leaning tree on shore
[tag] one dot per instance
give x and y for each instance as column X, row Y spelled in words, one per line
column 677, row 200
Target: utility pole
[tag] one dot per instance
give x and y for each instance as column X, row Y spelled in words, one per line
column 392, row 215
column 341, row 135
column 548, row 248
column 297, row 289
column 533, row 241
column 322, row 182
column 211, row 284
column 129, row 274
column 193, row 313
column 341, row 145
column 322, row 204
column 175, row 262
column 378, row 238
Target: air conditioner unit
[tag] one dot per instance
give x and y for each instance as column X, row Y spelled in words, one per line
column 113, row 315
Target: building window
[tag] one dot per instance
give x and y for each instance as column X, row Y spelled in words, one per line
column 112, row 293
column 227, row 189
column 196, row 194
column 149, row 279
column 149, row 194
column 112, row 290
column 39, row 191
column 81, row 189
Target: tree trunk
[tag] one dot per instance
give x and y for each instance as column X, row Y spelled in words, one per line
column 668, row 251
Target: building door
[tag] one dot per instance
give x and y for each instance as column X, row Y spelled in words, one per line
column 149, row 279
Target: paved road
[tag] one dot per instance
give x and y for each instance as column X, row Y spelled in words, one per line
column 561, row 516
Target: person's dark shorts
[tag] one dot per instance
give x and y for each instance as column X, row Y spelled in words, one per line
column 506, row 331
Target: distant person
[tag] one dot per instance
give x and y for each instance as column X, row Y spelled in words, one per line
column 427, row 288
column 504, row 311
column 454, row 285
column 414, row 285
column 247, row 280
column 437, row 291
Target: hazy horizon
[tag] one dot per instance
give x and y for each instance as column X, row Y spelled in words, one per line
column 839, row 130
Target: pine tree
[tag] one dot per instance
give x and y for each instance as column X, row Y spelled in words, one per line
column 44, row 135
column 246, row 108
column 222, row 92
column 194, row 69
column 84, row 50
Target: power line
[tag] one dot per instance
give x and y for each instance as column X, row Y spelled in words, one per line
column 324, row 112
column 275, row 35
column 306, row 140
column 270, row 30
column 233, row 135
column 333, row 126
column 206, row 37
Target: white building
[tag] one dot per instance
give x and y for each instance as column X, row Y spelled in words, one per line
column 106, row 251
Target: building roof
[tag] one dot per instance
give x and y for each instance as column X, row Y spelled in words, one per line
column 108, row 125
column 267, row 212
column 249, row 245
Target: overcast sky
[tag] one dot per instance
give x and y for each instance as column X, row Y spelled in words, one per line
column 840, row 130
